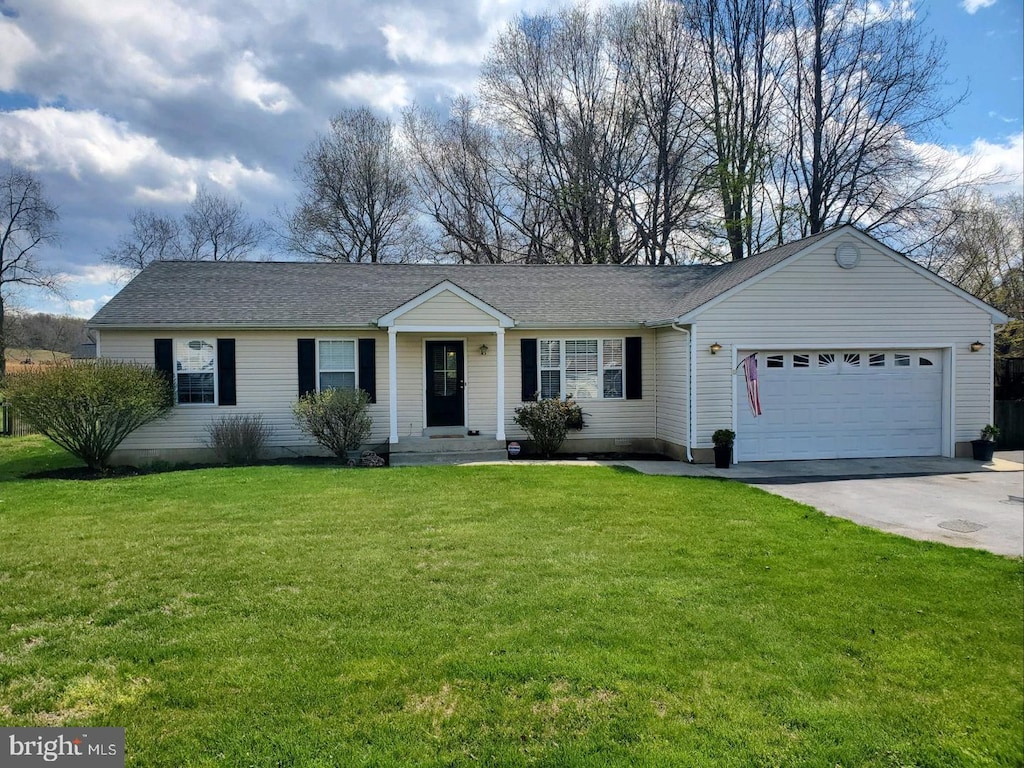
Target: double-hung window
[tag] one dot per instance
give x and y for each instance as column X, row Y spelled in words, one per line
column 337, row 364
column 584, row 369
column 194, row 370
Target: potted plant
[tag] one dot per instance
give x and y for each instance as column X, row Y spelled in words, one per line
column 723, row 440
column 985, row 446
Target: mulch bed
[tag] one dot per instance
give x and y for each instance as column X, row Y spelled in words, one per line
column 86, row 474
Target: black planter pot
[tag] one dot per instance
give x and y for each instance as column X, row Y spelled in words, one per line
column 723, row 456
column 983, row 449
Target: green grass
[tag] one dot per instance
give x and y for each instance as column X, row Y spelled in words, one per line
column 311, row 616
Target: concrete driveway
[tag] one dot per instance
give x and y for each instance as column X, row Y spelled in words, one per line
column 956, row 501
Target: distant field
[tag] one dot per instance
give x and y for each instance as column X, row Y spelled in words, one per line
column 16, row 357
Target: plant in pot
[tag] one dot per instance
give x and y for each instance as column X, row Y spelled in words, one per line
column 985, row 446
column 723, row 440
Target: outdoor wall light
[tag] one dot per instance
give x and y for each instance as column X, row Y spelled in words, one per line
column 483, row 350
column 976, row 346
column 715, row 348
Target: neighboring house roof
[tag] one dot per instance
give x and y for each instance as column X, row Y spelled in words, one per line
column 304, row 294
column 84, row 351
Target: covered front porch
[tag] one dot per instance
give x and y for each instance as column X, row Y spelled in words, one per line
column 446, row 373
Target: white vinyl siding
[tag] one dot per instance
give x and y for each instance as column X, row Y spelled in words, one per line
column 606, row 418
column 880, row 304
column 266, row 369
column 672, row 385
column 446, row 309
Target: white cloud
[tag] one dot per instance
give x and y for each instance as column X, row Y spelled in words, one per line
column 93, row 274
column 973, row 6
column 1000, row 166
column 248, row 84
column 83, row 144
column 388, row 93
column 17, row 49
column 414, row 37
column 82, row 307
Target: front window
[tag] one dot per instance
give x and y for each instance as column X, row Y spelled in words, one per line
column 337, row 364
column 584, row 369
column 550, row 368
column 194, row 368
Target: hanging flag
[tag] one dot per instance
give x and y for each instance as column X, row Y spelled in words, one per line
column 750, row 374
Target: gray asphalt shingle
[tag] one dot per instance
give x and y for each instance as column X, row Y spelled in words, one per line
column 303, row 294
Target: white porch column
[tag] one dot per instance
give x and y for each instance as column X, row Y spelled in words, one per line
column 500, row 389
column 393, row 383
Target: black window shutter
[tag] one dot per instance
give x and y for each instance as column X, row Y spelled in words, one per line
column 226, row 372
column 528, row 352
column 307, row 366
column 163, row 358
column 368, row 367
column 634, row 377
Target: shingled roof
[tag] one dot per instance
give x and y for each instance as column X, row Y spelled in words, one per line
column 302, row 294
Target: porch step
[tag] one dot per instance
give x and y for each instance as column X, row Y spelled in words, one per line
column 447, row 445
column 450, row 449
column 422, row 459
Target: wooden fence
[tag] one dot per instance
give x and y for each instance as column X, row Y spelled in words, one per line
column 1009, row 417
column 1009, row 402
column 11, row 425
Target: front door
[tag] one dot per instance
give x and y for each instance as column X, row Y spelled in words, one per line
column 446, row 384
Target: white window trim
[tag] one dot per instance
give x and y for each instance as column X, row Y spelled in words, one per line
column 600, row 366
column 216, row 365
column 355, row 346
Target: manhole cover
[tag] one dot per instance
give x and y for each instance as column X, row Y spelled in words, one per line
column 961, row 526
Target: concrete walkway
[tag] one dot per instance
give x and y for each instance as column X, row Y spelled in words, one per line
column 961, row 502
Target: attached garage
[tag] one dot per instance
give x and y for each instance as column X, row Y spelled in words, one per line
column 833, row 404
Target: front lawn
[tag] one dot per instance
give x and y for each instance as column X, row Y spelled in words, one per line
column 313, row 616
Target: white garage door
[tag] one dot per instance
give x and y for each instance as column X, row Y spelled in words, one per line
column 842, row 404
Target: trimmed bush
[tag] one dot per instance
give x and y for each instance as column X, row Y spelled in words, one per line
column 238, row 439
column 547, row 422
column 336, row 418
column 89, row 407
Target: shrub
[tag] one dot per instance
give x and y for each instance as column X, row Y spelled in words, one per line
column 238, row 439
column 723, row 438
column 547, row 422
column 336, row 419
column 88, row 408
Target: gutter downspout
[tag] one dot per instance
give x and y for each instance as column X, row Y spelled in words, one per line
column 690, row 392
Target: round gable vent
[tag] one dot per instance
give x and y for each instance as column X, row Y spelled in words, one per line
column 847, row 256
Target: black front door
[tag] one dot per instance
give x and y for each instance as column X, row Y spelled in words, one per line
column 446, row 382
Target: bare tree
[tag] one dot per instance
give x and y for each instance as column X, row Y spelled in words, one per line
column 27, row 225
column 357, row 200
column 653, row 49
column 213, row 228
column 866, row 81
column 735, row 39
column 551, row 78
column 980, row 247
column 456, row 171
column 153, row 237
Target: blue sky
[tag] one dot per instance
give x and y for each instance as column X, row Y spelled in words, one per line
column 118, row 104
